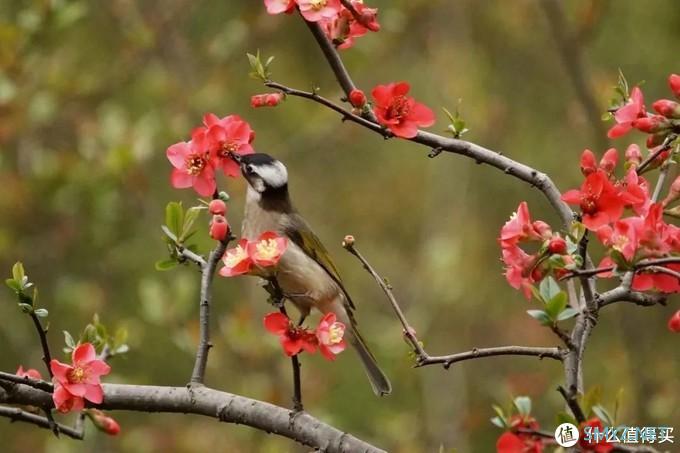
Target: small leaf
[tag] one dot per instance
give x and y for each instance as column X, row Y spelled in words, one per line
column 26, row 308
column 556, row 305
column 174, row 217
column 18, row 271
column 567, row 313
column 591, row 398
column 523, row 405
column 499, row 422
column 549, row 288
column 563, row 417
column 541, row 316
column 122, row 349
column 603, row 415
column 189, row 219
column 166, row 265
column 13, row 285
column 68, row 339
column 41, row 313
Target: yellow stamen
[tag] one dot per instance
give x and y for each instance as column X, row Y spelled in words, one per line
column 235, row 256
column 267, row 248
column 335, row 333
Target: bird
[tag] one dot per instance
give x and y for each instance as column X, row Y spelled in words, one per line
column 306, row 274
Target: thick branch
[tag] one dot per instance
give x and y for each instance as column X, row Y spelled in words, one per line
column 204, row 345
column 226, row 407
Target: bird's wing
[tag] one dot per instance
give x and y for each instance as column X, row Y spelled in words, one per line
column 299, row 231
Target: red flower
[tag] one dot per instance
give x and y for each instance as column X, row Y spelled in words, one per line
column 674, row 83
column 30, row 373
column 267, row 100
column 219, row 228
column 609, row 160
column 623, row 237
column 316, row 10
column 595, row 427
column 103, row 422
column 520, row 228
column 81, row 378
column 517, row 442
column 599, row 201
column 330, row 335
column 227, row 135
column 357, row 98
column 674, row 322
column 293, row 338
column 66, row 402
column 624, row 116
column 400, row 113
column 217, row 207
column 519, row 271
column 236, row 260
column 193, row 167
column 279, row 6
column 267, row 250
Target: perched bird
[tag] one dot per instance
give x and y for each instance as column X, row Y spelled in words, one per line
column 306, row 274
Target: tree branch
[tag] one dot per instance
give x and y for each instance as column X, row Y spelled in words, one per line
column 476, row 353
column 17, row 415
column 226, row 407
column 204, row 345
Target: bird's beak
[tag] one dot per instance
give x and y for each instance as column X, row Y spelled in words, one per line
column 235, row 157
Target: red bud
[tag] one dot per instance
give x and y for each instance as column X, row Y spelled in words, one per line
column 266, row 100
column 217, row 207
column 651, row 124
column 103, row 422
column 588, row 164
column 667, row 108
column 557, row 245
column 357, row 98
column 674, row 322
column 609, row 160
column 674, row 82
column 219, row 228
column 633, row 155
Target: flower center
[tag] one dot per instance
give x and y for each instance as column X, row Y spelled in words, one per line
column 195, row 163
column 317, row 5
column 77, row 375
column 235, row 256
column 267, row 248
column 228, row 147
column 399, row 107
column 588, row 205
column 335, row 333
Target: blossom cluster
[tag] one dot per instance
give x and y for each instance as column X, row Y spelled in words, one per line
column 328, row 337
column 519, row 438
column 210, row 149
column 340, row 24
column 254, row 257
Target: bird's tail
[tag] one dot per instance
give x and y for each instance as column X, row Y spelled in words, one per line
column 381, row 385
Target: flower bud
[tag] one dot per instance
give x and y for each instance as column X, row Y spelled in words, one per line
column 588, row 164
column 557, row 245
column 542, row 229
column 103, row 422
column 633, row 156
column 369, row 19
column 674, row 322
column 651, row 124
column 266, row 100
column 609, row 160
column 348, row 241
column 217, row 207
column 674, row 82
column 667, row 108
column 219, row 228
column 357, row 98
column 673, row 192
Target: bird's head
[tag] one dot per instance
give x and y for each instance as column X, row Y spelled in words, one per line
column 262, row 171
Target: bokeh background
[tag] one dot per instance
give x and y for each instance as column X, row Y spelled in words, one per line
column 92, row 93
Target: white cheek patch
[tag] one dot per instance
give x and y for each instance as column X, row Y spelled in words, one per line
column 274, row 175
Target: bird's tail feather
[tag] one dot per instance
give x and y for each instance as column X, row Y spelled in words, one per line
column 381, row 385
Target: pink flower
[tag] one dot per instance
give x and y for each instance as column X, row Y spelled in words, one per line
column 236, row 260
column 267, row 100
column 519, row 271
column 294, row 339
column 655, row 234
column 193, row 167
column 267, row 250
column 279, row 6
column 81, row 378
column 330, row 334
column 344, row 28
column 316, row 10
column 599, row 201
column 227, row 135
column 623, row 237
column 633, row 156
column 520, row 228
column 624, row 116
column 30, row 373
column 400, row 113
column 66, row 402
column 634, row 191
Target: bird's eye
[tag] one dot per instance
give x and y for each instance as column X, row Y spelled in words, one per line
column 250, row 169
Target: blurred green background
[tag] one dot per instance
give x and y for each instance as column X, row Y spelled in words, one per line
column 92, row 93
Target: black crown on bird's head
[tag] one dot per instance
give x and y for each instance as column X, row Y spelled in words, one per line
column 262, row 171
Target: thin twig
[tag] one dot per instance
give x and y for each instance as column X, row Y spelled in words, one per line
column 476, row 353
column 35, row 383
column 570, row 399
column 17, row 415
column 664, row 270
column 42, row 334
column 204, row 345
column 665, row 146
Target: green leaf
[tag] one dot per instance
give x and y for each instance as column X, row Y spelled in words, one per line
column 549, row 288
column 189, row 219
column 499, row 422
column 122, row 349
column 166, row 265
column 603, row 415
column 174, row 217
column 556, row 305
column 18, row 272
column 567, row 313
column 591, row 398
column 523, row 405
column 541, row 316
column 13, row 285
column 41, row 313
column 68, row 339
column 26, row 308
column 563, row 417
